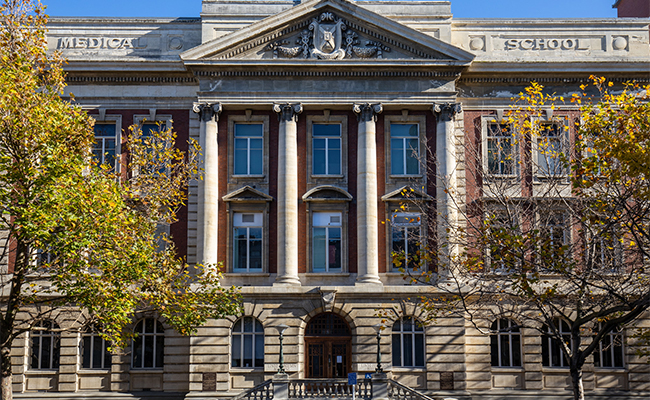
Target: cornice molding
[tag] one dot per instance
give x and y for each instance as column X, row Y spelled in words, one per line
column 131, row 79
column 336, row 74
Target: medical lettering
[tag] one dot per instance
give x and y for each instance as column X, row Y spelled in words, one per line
column 113, row 43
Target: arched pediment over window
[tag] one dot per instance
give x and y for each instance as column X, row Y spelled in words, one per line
column 327, row 193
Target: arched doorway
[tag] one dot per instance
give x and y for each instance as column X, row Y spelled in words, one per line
column 328, row 342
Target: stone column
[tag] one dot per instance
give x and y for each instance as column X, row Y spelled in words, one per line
column 367, row 218
column 288, row 193
column 446, row 161
column 208, row 202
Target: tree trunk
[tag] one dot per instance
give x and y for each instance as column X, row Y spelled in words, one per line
column 578, row 389
column 5, row 374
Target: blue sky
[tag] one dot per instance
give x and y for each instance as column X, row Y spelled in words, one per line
column 460, row 8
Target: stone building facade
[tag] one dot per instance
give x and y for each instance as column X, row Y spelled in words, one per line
column 309, row 115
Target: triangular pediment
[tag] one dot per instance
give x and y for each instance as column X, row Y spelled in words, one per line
column 405, row 194
column 319, row 31
column 248, row 195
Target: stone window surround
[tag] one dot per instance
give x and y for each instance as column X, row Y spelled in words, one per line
column 486, row 120
column 248, row 119
column 328, row 119
column 562, row 122
column 394, row 208
column 421, row 121
column 246, row 207
column 254, row 334
column 331, row 206
column 117, row 120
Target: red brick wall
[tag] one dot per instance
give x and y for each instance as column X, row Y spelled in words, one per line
column 634, row 8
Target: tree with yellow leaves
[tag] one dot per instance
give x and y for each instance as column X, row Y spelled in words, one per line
column 77, row 237
column 556, row 237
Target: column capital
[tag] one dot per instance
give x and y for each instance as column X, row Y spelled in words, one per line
column 446, row 111
column 367, row 112
column 287, row 111
column 207, row 111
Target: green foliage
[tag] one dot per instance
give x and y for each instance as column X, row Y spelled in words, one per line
column 101, row 230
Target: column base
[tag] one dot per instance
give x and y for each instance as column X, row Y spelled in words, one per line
column 369, row 280
column 287, row 281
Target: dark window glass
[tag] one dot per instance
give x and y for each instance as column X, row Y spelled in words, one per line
column 148, row 344
column 408, row 343
column 247, row 343
column 45, row 345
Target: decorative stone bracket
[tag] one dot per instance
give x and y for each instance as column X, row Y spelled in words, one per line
column 367, row 112
column 446, row 111
column 288, row 112
column 207, row 111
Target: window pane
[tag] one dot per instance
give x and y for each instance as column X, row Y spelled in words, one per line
column 46, row 352
column 545, row 350
column 397, row 157
column 516, row 350
column 160, row 351
column 256, row 157
column 148, row 325
column 240, row 248
column 56, row 343
column 248, row 351
column 494, row 350
column 85, row 352
column 408, row 350
column 607, row 351
column 505, row 350
column 108, row 357
column 241, row 156
column 236, row 350
column 335, row 249
column 319, row 160
column 137, row 352
column 148, row 351
column 326, row 130
column 248, row 324
column 250, row 130
column 259, row 350
column 412, row 154
column 36, row 352
column 97, row 352
column 404, row 130
column 334, row 155
column 419, row 350
column 318, row 243
column 397, row 351
column 255, row 251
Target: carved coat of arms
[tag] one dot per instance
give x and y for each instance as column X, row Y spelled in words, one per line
column 327, row 37
column 324, row 40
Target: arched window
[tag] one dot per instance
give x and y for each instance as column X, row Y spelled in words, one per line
column 148, row 344
column 94, row 350
column 505, row 344
column 552, row 355
column 408, row 343
column 45, row 345
column 247, row 343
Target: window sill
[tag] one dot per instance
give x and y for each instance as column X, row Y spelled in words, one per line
column 90, row 371
column 497, row 176
column 248, row 176
column 507, row 370
column 332, row 274
column 610, row 370
column 41, row 372
column 554, row 369
column 248, row 274
column 243, row 370
column 409, row 369
column 391, row 176
column 327, row 176
column 146, row 371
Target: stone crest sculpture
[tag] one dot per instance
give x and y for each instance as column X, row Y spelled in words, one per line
column 325, row 40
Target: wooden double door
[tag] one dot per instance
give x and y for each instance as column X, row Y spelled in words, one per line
column 328, row 357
